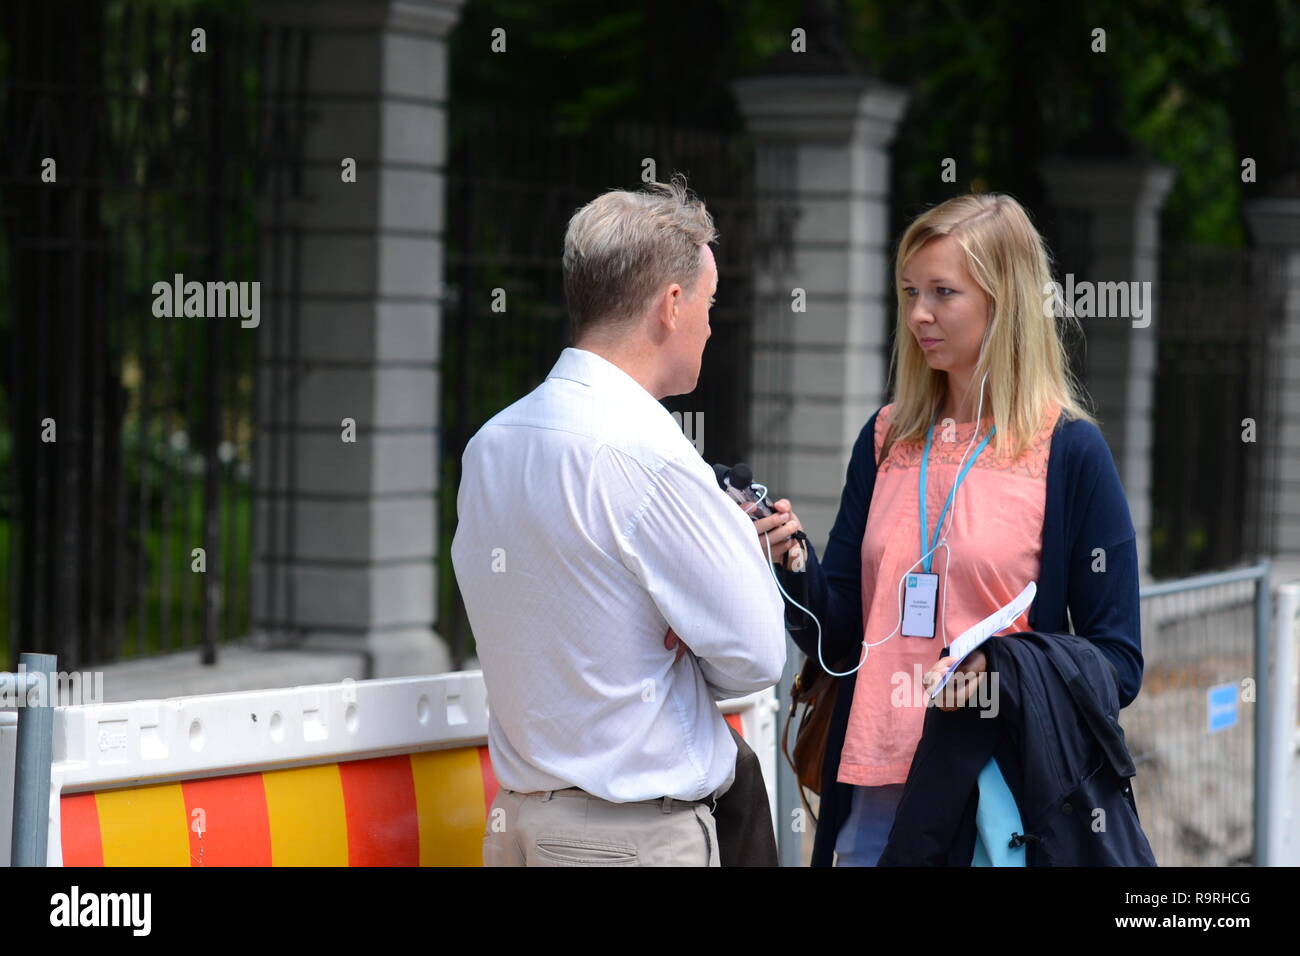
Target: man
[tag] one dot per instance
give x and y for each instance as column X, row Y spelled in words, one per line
column 589, row 526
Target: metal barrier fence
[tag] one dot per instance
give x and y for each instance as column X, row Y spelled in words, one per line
column 1214, row 787
column 1193, row 727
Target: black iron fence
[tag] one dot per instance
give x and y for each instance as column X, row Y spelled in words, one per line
column 125, row 435
column 1214, row 488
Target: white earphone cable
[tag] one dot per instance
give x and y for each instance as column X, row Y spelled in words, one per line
column 942, row 543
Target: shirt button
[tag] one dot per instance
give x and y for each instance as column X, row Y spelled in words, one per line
column 1066, row 808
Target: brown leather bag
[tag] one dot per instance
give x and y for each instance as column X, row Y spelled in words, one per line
column 815, row 690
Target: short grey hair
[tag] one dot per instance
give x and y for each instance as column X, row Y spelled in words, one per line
column 623, row 246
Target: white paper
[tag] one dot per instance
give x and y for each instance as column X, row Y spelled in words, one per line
column 976, row 635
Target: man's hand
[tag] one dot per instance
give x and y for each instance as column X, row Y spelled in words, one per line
column 671, row 640
column 966, row 680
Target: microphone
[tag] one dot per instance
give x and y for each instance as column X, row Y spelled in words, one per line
column 738, row 482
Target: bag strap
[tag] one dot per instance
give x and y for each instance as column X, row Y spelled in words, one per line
column 785, row 749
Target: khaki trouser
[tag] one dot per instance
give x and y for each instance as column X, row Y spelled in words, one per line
column 573, row 828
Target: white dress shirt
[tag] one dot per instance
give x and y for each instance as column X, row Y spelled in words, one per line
column 588, row 524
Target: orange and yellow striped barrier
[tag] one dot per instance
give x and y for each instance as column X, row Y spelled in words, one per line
column 420, row 809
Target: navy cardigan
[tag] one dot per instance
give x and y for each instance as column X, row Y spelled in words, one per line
column 1085, row 514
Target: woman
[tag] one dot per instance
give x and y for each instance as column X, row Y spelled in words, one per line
column 984, row 405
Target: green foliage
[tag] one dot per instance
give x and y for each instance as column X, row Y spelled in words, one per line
column 580, row 63
column 996, row 84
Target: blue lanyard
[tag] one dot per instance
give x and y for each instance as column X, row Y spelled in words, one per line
column 925, row 536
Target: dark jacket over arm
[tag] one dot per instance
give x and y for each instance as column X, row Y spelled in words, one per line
column 1056, row 735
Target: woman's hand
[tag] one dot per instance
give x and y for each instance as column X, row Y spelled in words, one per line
column 963, row 684
column 777, row 530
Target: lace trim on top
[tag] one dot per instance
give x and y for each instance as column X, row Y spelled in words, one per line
column 1032, row 464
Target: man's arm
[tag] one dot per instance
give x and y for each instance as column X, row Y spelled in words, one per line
column 697, row 555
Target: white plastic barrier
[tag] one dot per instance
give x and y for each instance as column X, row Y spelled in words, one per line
column 146, row 762
column 1283, row 825
column 8, row 751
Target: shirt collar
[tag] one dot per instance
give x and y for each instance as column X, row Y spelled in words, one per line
column 590, row 369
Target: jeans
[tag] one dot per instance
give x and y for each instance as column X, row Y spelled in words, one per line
column 865, row 832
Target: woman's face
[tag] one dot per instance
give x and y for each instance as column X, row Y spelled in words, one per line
column 947, row 311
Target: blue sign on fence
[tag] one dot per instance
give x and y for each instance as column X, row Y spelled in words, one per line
column 1222, row 707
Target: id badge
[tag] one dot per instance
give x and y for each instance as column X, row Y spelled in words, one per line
column 920, row 605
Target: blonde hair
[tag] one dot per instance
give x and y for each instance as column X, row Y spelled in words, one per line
column 1028, row 372
column 622, row 247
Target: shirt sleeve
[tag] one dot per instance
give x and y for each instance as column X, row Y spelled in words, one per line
column 832, row 588
column 698, row 556
column 1102, row 579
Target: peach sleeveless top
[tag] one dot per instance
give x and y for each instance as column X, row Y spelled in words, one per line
column 995, row 533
